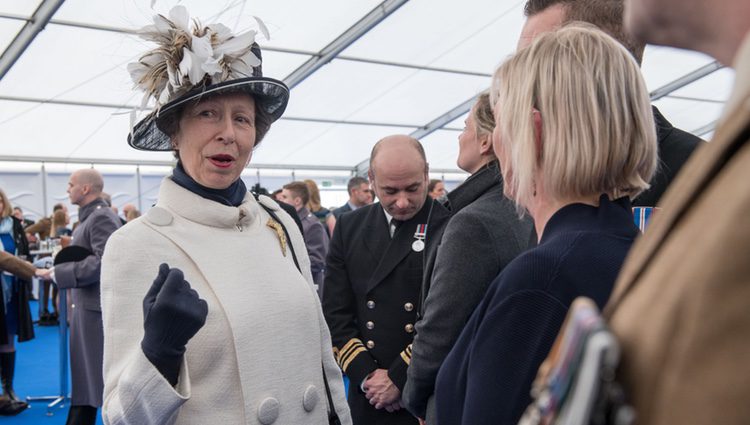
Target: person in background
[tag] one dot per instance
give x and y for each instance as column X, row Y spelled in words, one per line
column 60, row 222
column 436, row 190
column 576, row 183
column 314, row 204
column 18, row 213
column 360, row 195
column 675, row 145
column 15, row 315
column 42, row 227
column 315, row 236
column 373, row 277
column 21, row 269
column 483, row 235
column 232, row 329
column 59, row 229
column 96, row 223
column 129, row 210
column 681, row 306
column 276, row 195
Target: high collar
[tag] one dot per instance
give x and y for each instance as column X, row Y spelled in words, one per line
column 303, row 212
column 85, row 211
column 476, row 185
column 663, row 126
column 231, row 196
column 615, row 217
column 196, row 208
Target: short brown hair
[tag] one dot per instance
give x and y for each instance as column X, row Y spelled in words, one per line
column 299, row 190
column 605, row 14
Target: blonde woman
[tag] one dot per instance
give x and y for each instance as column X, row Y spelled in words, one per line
column 576, row 142
column 314, row 203
column 483, row 236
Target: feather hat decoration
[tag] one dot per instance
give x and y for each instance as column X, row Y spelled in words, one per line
column 194, row 61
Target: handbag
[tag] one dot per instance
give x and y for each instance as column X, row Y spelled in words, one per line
column 333, row 417
column 575, row 384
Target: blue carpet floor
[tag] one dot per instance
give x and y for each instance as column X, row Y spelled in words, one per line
column 38, row 374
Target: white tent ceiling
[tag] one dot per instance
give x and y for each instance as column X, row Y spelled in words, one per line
column 68, row 96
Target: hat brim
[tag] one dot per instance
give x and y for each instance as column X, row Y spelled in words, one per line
column 269, row 94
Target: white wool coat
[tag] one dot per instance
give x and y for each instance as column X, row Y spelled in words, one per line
column 258, row 358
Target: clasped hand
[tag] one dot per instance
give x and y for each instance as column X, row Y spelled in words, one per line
column 382, row 392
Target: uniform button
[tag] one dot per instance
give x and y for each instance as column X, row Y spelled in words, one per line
column 370, row 344
column 409, row 328
column 370, row 325
column 310, row 398
column 371, row 304
column 408, row 306
column 268, row 411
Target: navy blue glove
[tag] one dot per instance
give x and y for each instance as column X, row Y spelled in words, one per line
column 172, row 314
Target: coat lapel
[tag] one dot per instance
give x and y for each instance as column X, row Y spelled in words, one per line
column 376, row 238
column 398, row 247
column 693, row 178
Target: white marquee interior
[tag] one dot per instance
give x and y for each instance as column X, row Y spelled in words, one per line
column 359, row 70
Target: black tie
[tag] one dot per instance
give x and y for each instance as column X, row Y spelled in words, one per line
column 395, row 224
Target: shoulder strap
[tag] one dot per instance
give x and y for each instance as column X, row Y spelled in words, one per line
column 333, row 417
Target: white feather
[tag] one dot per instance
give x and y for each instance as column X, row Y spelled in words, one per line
column 221, row 31
column 191, row 66
column 263, row 28
column 236, row 45
column 180, row 18
column 213, row 67
column 201, row 47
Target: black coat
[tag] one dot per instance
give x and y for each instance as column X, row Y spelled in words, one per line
column 370, row 297
column 483, row 235
column 675, row 147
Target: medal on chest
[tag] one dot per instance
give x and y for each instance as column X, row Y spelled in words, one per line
column 419, row 235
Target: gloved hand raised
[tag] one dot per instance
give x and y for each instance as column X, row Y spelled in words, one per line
column 172, row 314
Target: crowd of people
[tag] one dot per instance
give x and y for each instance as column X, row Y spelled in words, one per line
column 438, row 306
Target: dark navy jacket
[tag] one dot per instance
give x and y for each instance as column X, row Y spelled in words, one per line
column 487, row 376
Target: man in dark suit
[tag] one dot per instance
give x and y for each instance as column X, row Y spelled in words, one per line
column 373, row 278
column 97, row 223
column 675, row 145
column 360, row 195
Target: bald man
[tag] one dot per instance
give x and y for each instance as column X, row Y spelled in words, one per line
column 373, row 277
column 97, row 223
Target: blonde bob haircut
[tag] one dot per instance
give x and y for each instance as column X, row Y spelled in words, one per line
column 597, row 127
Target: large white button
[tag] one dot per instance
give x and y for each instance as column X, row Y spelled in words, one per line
column 268, row 411
column 310, row 398
column 159, row 216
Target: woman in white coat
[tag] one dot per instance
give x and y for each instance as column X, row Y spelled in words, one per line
column 210, row 315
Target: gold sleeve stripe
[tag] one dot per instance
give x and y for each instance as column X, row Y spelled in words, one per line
column 350, row 343
column 406, row 358
column 350, row 350
column 336, row 353
column 351, row 357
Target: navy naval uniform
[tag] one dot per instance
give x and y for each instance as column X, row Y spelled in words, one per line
column 370, row 296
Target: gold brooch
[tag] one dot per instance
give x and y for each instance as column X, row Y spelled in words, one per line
column 279, row 232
